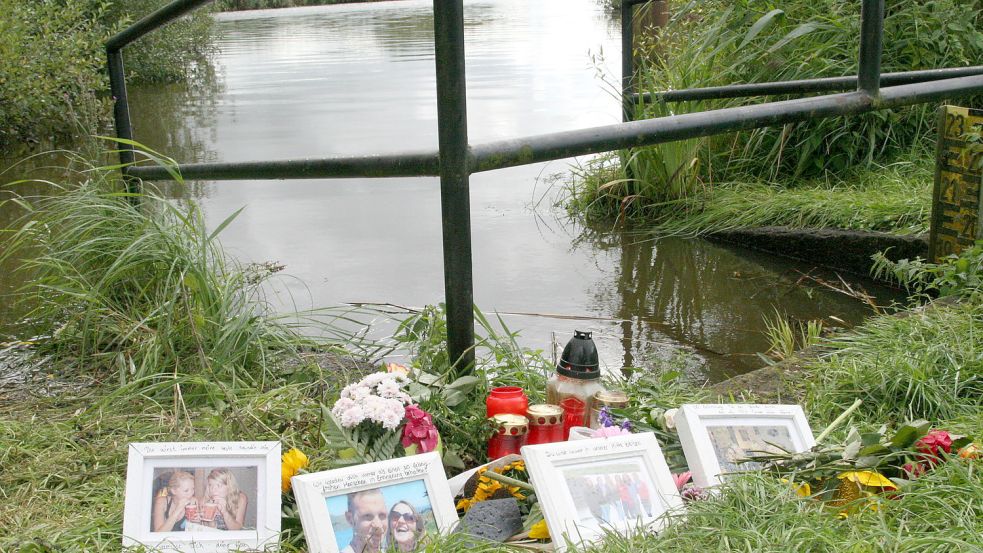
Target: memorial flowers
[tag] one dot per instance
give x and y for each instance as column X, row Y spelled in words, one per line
column 375, row 420
column 291, row 464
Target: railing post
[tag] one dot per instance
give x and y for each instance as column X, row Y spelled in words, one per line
column 871, row 34
column 627, row 59
column 455, row 201
column 121, row 116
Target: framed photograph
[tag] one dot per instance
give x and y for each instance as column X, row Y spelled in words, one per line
column 202, row 496
column 589, row 487
column 716, row 437
column 395, row 505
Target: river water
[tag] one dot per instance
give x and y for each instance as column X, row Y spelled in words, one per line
column 359, row 79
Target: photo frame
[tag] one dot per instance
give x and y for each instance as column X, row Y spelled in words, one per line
column 399, row 502
column 202, row 497
column 589, row 487
column 714, row 436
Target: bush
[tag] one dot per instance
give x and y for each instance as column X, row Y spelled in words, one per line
column 53, row 82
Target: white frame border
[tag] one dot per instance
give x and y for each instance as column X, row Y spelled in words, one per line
column 312, row 489
column 267, row 532
column 692, row 422
column 544, row 461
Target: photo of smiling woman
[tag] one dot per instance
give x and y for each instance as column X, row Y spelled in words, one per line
column 406, row 528
column 203, row 499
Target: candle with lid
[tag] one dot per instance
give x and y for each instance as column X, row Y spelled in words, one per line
column 506, row 400
column 578, row 373
column 612, row 399
column 545, row 424
column 509, row 436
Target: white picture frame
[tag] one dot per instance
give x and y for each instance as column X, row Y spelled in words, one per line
column 244, row 477
column 713, row 436
column 579, row 487
column 332, row 500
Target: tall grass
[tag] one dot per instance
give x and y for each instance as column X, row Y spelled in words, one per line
column 143, row 293
column 714, row 43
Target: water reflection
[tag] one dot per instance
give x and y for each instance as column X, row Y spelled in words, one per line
column 711, row 297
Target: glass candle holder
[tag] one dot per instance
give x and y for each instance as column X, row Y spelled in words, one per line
column 506, row 400
column 510, row 436
column 573, row 414
column 545, row 424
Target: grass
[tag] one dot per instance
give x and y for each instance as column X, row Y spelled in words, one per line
column 893, row 198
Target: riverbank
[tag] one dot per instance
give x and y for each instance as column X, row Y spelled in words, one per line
column 64, row 447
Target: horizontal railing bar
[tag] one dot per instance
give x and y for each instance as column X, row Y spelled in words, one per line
column 828, row 84
column 425, row 164
column 539, row 148
column 159, row 18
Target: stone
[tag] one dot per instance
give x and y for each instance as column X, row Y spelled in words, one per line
column 495, row 520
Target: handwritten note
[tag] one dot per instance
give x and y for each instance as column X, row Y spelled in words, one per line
column 217, row 449
column 375, row 475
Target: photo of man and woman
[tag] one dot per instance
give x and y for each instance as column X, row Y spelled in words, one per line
column 391, row 518
column 203, row 499
column 733, row 443
column 613, row 494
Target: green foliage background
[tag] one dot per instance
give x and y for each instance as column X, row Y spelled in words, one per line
column 53, row 82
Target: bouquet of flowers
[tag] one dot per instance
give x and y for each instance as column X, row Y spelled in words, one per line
column 851, row 475
column 375, row 419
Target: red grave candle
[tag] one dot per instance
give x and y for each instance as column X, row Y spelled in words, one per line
column 545, row 424
column 573, row 414
column 509, row 437
column 506, row 400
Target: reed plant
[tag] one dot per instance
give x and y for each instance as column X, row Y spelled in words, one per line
column 137, row 288
column 713, row 43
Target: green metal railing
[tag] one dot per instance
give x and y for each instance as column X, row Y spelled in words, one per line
column 456, row 159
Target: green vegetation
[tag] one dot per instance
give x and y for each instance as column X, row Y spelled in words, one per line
column 53, row 83
column 161, row 337
column 828, row 172
column 237, row 5
column 891, row 198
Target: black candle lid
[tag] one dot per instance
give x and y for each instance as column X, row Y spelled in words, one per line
column 579, row 358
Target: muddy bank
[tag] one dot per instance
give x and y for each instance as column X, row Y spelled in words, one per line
column 843, row 250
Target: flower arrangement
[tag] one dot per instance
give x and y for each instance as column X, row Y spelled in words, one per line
column 375, row 419
column 609, row 426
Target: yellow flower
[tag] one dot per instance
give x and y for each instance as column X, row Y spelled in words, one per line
column 801, row 490
column 868, row 479
column 539, row 531
column 290, row 464
column 464, row 504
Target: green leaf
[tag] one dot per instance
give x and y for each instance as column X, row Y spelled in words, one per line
column 797, row 32
column 454, row 398
column 910, row 433
column 452, row 459
column 874, row 449
column 869, row 461
column 763, row 22
column 870, row 438
column 851, row 450
column 465, row 383
column 228, row 220
column 427, row 378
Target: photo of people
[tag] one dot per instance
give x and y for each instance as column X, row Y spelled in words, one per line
column 732, row 443
column 203, row 499
column 391, row 518
column 613, row 494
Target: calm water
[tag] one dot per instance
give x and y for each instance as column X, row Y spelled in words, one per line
column 359, row 79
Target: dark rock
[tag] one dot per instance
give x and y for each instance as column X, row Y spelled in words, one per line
column 495, row 519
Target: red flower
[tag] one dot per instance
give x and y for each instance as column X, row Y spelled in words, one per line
column 913, row 470
column 419, row 430
column 932, row 443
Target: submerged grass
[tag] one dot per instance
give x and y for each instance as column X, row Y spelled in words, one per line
column 893, row 198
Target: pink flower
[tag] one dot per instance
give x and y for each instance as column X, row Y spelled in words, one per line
column 681, row 479
column 608, row 431
column 932, row 443
column 419, row 430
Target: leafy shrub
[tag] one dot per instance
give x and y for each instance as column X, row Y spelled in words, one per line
column 53, row 82
column 713, row 43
